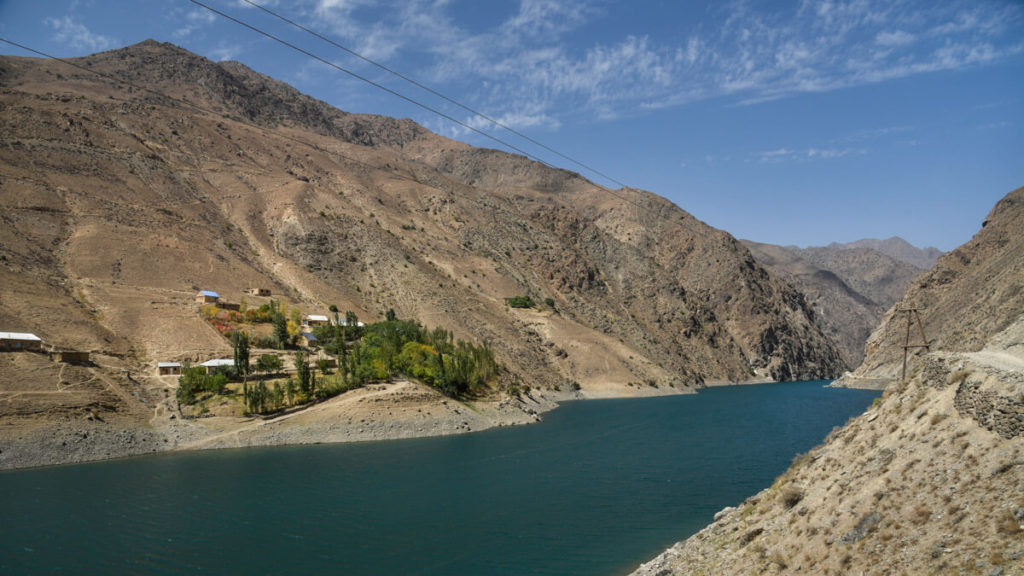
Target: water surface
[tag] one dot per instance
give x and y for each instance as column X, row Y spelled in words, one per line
column 596, row 489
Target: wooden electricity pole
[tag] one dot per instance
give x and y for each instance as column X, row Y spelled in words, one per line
column 911, row 316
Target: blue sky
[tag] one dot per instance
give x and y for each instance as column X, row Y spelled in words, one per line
column 800, row 122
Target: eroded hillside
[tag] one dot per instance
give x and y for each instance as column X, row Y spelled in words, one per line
column 133, row 178
column 149, row 198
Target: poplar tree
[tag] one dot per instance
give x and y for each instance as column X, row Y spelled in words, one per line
column 241, row 342
column 303, row 373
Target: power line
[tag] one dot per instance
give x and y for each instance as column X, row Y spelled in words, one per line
column 368, row 81
column 215, row 113
column 185, row 103
column 194, row 106
column 435, row 93
column 398, row 94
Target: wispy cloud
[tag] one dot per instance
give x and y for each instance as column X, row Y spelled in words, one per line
column 224, row 52
column 195, row 20
column 742, row 53
column 77, row 35
column 995, row 125
column 806, row 154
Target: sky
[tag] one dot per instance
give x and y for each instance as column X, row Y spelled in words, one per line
column 788, row 122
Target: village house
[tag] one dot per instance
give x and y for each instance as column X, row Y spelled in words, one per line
column 207, row 297
column 71, row 356
column 168, row 368
column 229, row 306
column 20, row 342
column 308, row 340
column 218, row 365
column 314, row 320
column 259, row 291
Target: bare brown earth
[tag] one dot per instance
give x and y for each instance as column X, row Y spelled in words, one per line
column 930, row 480
column 133, row 178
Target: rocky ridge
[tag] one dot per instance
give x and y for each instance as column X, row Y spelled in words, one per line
column 896, row 248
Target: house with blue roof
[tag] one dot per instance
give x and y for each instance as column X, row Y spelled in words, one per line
column 308, row 339
column 207, row 297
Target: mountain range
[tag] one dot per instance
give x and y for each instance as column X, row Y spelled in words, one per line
column 134, row 178
column 849, row 286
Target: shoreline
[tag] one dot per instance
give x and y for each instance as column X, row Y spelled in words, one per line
column 397, row 410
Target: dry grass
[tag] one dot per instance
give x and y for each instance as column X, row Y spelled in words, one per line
column 791, row 496
column 1007, row 525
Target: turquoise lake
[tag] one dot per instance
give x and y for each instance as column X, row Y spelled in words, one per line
column 597, row 488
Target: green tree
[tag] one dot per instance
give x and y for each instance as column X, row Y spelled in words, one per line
column 281, row 335
column 390, row 315
column 241, row 342
column 190, row 382
column 268, row 363
column 303, row 373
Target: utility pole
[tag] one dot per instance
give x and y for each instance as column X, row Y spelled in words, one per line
column 912, row 315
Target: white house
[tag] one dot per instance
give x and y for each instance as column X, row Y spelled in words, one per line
column 314, row 320
column 20, row 341
column 218, row 364
column 168, row 368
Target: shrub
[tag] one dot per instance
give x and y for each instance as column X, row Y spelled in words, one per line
column 268, row 363
column 791, row 497
column 1007, row 524
column 520, row 302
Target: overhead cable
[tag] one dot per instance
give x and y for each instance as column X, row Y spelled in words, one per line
column 398, row 94
column 434, row 92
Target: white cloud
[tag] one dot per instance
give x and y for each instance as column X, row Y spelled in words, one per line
column 224, row 52
column 995, row 125
column 76, row 35
column 195, row 20
column 531, row 66
column 811, row 153
column 894, row 38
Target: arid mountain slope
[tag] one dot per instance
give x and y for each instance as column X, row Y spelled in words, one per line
column 896, row 248
column 132, row 178
column 150, row 198
column 928, row 480
column 971, row 294
column 849, row 288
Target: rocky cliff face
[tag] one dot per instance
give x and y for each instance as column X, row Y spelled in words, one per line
column 169, row 173
column 849, row 288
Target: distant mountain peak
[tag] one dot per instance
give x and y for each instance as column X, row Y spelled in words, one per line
column 897, row 248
